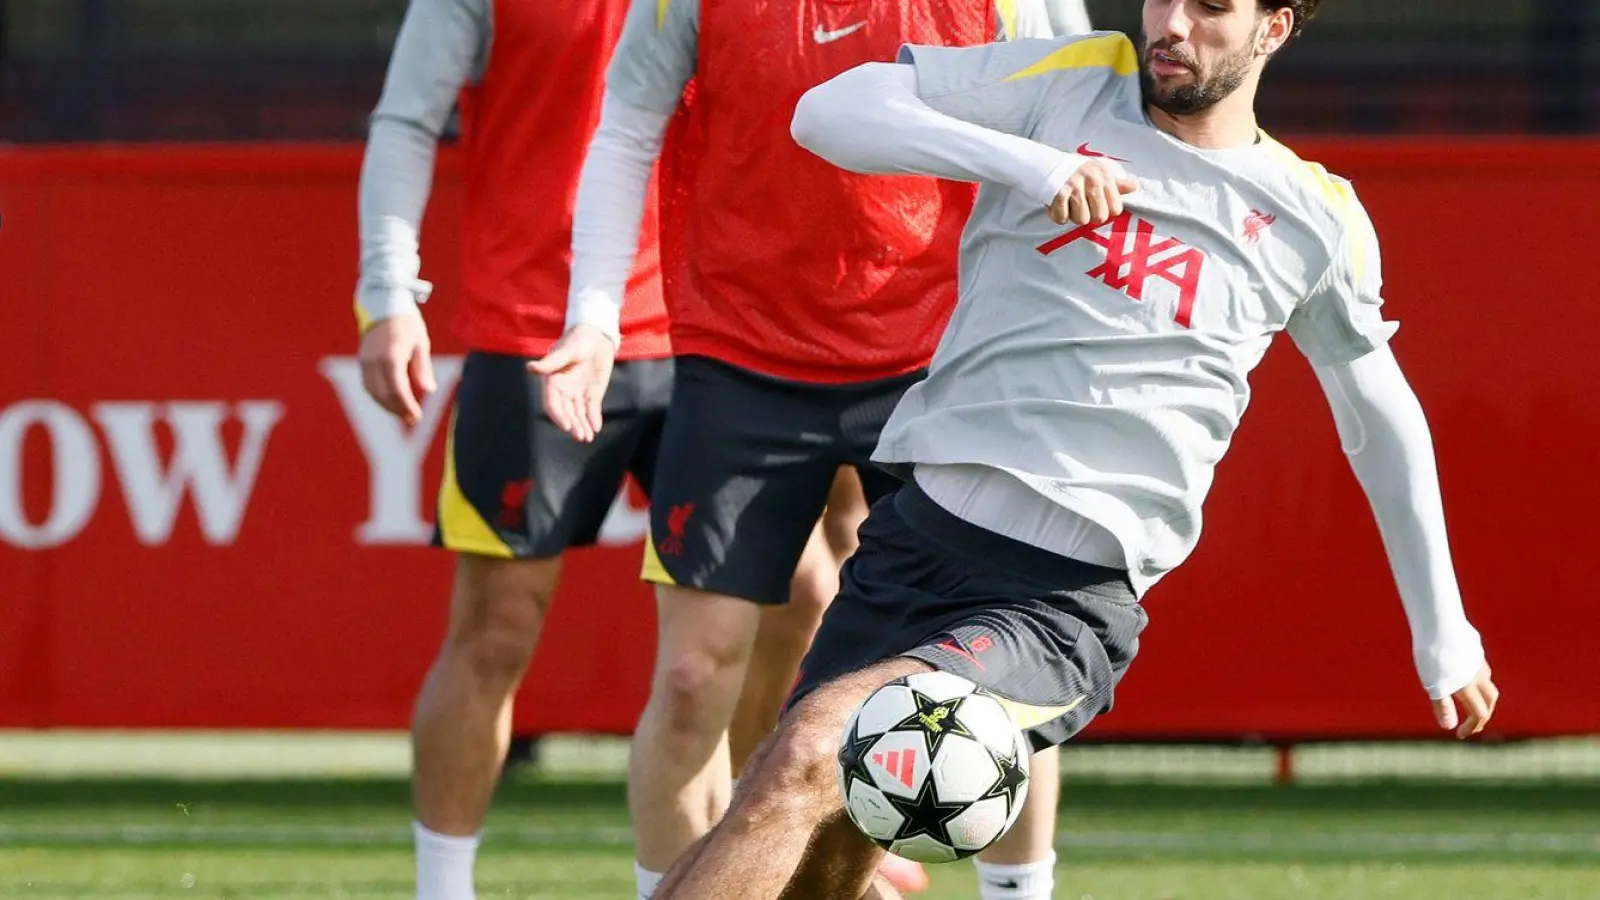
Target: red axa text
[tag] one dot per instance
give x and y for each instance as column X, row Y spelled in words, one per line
column 1134, row 255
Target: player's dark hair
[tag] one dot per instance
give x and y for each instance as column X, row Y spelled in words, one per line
column 1304, row 11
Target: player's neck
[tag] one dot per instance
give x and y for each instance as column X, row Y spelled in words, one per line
column 1226, row 125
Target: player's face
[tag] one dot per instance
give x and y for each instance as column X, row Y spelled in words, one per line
column 1195, row 53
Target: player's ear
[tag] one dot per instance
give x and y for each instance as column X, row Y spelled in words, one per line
column 1274, row 31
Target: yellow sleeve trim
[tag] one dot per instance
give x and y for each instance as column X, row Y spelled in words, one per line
column 363, row 321
column 661, row 13
column 1007, row 10
column 1112, row 51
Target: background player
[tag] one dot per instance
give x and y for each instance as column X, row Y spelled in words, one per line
column 517, row 491
column 804, row 302
column 1091, row 378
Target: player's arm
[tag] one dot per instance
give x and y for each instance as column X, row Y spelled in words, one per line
column 1018, row 19
column 440, row 46
column 1068, row 16
column 964, row 114
column 654, row 59
column 1386, row 439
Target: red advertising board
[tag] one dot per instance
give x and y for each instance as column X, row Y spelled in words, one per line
column 203, row 522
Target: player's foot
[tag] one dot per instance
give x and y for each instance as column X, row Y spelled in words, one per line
column 906, row 876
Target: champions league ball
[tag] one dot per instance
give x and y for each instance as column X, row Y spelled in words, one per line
column 932, row 768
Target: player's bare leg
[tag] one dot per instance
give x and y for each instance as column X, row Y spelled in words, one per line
column 462, row 722
column 781, row 642
column 790, row 795
column 1020, row 866
column 679, row 775
column 838, row 862
column 786, row 631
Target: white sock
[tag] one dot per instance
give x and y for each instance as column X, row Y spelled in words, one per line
column 444, row 864
column 646, row 881
column 1030, row 881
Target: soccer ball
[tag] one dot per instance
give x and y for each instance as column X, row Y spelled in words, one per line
column 932, row 768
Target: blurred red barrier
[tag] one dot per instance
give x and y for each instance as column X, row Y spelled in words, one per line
column 202, row 523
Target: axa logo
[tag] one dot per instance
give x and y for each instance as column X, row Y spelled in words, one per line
column 1135, row 255
column 900, row 764
column 677, row 523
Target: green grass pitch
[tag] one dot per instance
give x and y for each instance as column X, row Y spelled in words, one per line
column 271, row 839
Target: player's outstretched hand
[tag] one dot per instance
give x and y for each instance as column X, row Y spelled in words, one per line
column 576, row 372
column 1477, row 700
column 396, row 365
column 1093, row 195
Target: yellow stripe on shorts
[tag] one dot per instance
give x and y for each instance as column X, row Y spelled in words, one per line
column 651, row 569
column 461, row 526
column 1026, row 715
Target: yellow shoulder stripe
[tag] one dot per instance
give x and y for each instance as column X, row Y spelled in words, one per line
column 1337, row 191
column 1008, row 17
column 1112, row 51
column 1313, row 173
column 661, row 13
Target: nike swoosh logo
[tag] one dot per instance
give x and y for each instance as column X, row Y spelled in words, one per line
column 824, row 36
column 1083, row 150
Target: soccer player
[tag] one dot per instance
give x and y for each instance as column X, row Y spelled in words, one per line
column 517, row 491
column 1114, row 298
column 804, row 301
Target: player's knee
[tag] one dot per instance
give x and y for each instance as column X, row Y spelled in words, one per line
column 694, row 681
column 815, row 582
column 809, row 595
column 801, row 768
column 498, row 626
column 793, row 782
column 497, row 659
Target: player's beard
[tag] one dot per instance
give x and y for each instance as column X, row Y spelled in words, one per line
column 1207, row 89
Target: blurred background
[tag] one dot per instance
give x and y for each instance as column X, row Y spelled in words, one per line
column 310, row 69
column 217, row 604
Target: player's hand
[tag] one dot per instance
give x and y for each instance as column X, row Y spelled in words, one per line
column 576, row 372
column 396, row 365
column 1093, row 195
column 1477, row 700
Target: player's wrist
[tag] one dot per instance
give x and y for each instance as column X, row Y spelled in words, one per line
column 597, row 309
column 1450, row 662
column 378, row 302
column 1057, row 178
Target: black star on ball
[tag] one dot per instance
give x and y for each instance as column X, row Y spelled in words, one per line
column 854, row 754
column 936, row 720
column 1012, row 778
column 926, row 815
